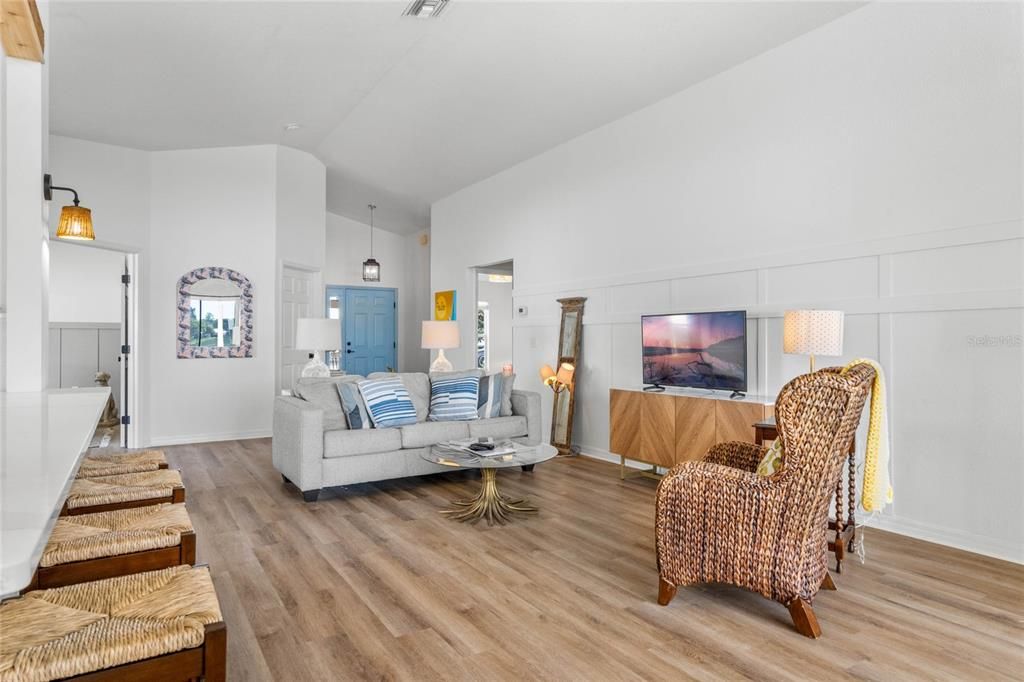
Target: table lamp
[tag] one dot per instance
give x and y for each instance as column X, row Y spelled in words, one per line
column 317, row 334
column 813, row 332
column 439, row 335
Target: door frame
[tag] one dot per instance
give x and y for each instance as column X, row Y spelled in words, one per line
column 132, row 437
column 348, row 287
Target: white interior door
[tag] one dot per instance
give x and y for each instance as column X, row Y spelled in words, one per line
column 297, row 300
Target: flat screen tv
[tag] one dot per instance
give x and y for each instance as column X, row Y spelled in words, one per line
column 696, row 350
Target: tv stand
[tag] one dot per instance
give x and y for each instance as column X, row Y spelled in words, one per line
column 664, row 429
column 654, row 388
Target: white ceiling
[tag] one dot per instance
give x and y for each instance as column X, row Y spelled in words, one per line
column 403, row 111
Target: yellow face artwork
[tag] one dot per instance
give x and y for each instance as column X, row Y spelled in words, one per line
column 444, row 305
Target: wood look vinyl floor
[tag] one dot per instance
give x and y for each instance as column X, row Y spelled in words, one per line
column 372, row 583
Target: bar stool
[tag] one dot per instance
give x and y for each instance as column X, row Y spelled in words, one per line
column 123, row 491
column 113, row 463
column 159, row 625
column 108, row 544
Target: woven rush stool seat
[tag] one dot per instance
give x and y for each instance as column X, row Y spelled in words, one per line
column 160, row 625
column 114, row 463
column 112, row 543
column 106, row 493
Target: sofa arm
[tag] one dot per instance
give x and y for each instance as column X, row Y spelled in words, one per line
column 297, row 448
column 527, row 404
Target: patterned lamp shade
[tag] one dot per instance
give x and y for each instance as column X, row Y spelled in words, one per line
column 813, row 332
column 75, row 223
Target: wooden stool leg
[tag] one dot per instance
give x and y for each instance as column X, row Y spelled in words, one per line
column 666, row 591
column 828, row 583
column 803, row 618
column 215, row 653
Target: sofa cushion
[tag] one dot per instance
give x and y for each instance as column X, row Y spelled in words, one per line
column 506, row 395
column 453, row 399
column 361, row 442
column 387, row 401
column 499, row 427
column 457, row 374
column 432, row 433
column 323, row 392
column 418, row 385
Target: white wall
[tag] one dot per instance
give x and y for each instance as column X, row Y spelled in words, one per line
column 301, row 208
column 24, row 254
column 85, row 283
column 404, row 266
column 211, row 207
column 872, row 165
column 498, row 296
column 248, row 208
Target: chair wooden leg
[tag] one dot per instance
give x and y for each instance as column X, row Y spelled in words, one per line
column 803, row 618
column 666, row 591
column 827, row 583
column 215, row 653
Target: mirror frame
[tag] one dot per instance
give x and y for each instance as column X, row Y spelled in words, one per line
column 569, row 306
column 245, row 314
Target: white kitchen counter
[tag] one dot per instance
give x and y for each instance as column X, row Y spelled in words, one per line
column 42, row 439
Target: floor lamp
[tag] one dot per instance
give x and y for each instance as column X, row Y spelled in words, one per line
column 813, row 332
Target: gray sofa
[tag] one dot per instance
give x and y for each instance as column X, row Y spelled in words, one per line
column 313, row 447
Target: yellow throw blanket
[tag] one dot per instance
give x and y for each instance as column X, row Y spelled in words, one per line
column 876, row 486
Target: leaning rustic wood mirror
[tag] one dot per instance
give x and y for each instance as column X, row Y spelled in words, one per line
column 569, row 342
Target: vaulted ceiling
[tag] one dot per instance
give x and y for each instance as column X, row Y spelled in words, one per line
column 403, row 111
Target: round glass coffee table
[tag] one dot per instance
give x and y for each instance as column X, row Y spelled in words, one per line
column 489, row 503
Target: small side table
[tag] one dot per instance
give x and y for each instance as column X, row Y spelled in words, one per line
column 845, row 531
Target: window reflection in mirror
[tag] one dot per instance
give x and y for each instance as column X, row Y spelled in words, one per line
column 215, row 310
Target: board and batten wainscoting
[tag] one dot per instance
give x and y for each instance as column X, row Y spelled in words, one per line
column 934, row 309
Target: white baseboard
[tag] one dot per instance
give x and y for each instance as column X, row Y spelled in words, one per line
column 606, row 456
column 969, row 542
column 156, row 441
column 958, row 539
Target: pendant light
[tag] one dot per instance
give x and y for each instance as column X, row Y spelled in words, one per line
column 75, row 221
column 371, row 268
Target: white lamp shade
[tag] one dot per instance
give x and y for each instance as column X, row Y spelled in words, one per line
column 440, row 334
column 813, row 332
column 317, row 333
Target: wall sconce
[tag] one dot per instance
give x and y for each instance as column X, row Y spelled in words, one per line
column 558, row 381
column 75, row 221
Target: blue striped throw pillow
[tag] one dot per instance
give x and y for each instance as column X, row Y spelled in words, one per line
column 488, row 402
column 453, row 399
column 388, row 402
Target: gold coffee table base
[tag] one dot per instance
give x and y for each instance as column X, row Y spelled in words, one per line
column 488, row 503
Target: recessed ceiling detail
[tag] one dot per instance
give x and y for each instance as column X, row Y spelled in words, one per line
column 403, row 113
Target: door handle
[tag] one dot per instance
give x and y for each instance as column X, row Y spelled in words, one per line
column 349, row 350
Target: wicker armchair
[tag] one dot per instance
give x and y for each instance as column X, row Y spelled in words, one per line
column 717, row 521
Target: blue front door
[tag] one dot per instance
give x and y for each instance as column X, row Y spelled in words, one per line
column 368, row 330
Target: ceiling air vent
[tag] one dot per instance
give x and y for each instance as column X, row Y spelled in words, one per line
column 425, row 8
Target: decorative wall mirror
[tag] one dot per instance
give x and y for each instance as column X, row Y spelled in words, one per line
column 569, row 342
column 214, row 314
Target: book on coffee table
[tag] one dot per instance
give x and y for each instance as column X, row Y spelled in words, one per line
column 462, row 445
